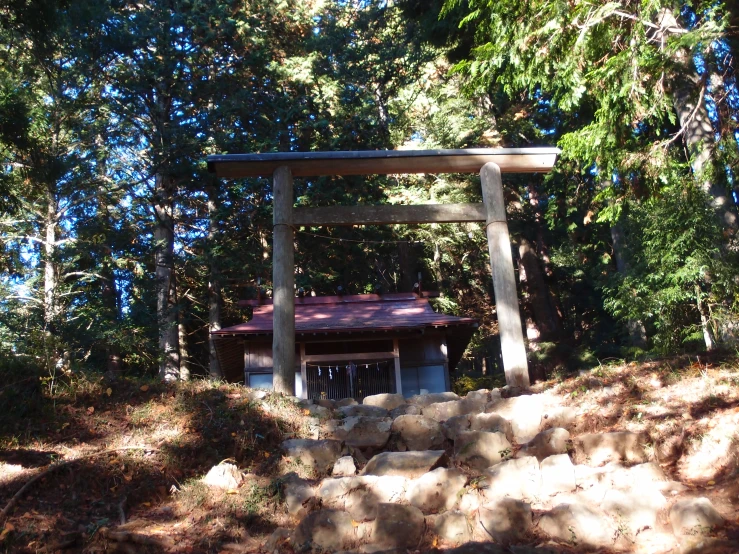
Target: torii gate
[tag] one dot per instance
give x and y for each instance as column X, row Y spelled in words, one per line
column 283, row 166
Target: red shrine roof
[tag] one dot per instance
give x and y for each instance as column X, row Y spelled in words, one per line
column 354, row 313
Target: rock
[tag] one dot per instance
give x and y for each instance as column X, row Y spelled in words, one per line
column 319, row 455
column 622, row 446
column 547, row 443
column 362, row 411
column 344, row 467
column 506, row 520
column 563, row 416
column 418, row 432
column 326, row 403
column 557, row 475
column 519, row 479
column 398, row 526
column 406, row 464
column 455, row 425
column 298, row 494
column 524, row 412
column 637, row 508
column 387, row 401
column 694, row 516
column 441, row 411
column 276, row 539
column 493, row 423
column 345, row 402
column 405, row 409
column 314, row 410
column 224, row 476
column 361, row 432
column 453, row 527
column 324, row 530
column 437, row 490
column 578, row 525
column 360, row 496
column 426, row 399
column 480, row 449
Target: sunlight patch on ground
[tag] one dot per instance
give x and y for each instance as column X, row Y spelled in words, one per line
column 8, row 472
column 714, row 449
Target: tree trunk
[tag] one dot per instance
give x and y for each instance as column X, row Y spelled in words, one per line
column 169, row 365
column 214, row 284
column 692, row 113
column 545, row 317
column 182, row 337
column 705, row 320
column 50, row 269
column 635, row 327
column 407, row 266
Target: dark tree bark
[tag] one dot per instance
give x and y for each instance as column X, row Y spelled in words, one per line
column 214, row 283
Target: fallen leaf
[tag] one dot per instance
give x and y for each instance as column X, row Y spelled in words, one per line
column 91, row 410
column 7, row 529
column 65, row 425
column 266, row 454
column 127, row 477
column 147, row 504
column 233, row 434
column 232, row 491
column 355, row 523
column 108, row 391
column 144, row 388
column 306, row 412
column 711, row 482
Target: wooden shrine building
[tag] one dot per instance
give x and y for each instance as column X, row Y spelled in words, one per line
column 351, row 346
column 491, row 163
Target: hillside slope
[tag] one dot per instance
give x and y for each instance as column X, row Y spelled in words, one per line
column 628, row 458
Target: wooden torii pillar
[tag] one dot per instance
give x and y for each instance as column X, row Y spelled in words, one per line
column 491, row 163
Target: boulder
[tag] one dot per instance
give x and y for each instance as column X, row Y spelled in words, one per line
column 557, row 475
column 362, row 410
column 326, row 403
column 547, row 443
column 361, row 432
column 453, row 527
column 596, row 449
column 387, row 401
column 318, row 455
column 361, row 495
column 491, row 422
column 480, row 449
column 694, row 516
column 224, row 476
column 324, row 531
column 441, row 411
column 561, row 416
column 298, row 494
column 506, row 520
column 426, row 399
column 406, row 464
column 344, row 467
column 418, row 432
column 405, row 409
column 398, row 526
column 345, row 402
column 578, row 525
column 437, row 490
column 524, row 412
column 519, row 479
column 637, row 508
column 455, row 425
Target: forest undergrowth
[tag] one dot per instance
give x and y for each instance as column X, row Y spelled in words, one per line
column 688, row 406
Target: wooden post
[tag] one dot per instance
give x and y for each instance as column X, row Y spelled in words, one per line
column 283, row 281
column 512, row 345
column 396, row 359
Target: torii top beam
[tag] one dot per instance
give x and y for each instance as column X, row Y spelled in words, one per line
column 384, row 162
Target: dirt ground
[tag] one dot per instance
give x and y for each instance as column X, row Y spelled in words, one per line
column 122, row 459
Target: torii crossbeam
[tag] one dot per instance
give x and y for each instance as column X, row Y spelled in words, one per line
column 489, row 162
